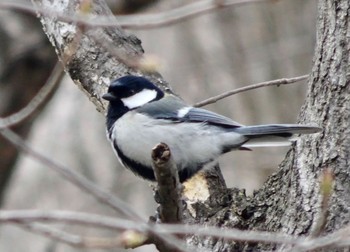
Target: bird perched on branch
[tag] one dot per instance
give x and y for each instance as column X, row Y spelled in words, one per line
column 140, row 116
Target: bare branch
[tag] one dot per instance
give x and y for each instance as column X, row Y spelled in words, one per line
column 339, row 238
column 124, row 240
column 33, row 105
column 104, row 197
column 231, row 234
column 99, row 221
column 53, row 233
column 168, row 193
column 166, row 18
column 278, row 82
column 69, row 217
column 27, row 216
column 169, row 187
column 148, row 21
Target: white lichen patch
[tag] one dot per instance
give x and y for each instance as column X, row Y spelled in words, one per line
column 195, row 190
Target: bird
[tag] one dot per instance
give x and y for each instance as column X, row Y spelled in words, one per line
column 140, row 116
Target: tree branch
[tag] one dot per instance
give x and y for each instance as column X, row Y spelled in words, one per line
column 168, row 192
column 137, row 21
column 166, row 18
column 53, row 233
column 125, row 240
column 169, row 187
column 117, row 224
column 38, row 100
column 277, row 82
column 339, row 238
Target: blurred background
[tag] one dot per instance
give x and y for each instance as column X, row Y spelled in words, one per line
column 201, row 57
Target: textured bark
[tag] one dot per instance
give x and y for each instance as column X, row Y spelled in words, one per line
column 329, row 103
column 289, row 200
column 89, row 55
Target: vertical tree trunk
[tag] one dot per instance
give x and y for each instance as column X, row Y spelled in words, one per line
column 328, row 104
column 290, row 201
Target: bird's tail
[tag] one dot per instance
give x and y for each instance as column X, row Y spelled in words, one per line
column 273, row 134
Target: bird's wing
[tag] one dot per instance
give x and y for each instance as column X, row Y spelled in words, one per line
column 203, row 115
column 174, row 109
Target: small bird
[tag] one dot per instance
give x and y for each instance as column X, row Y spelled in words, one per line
column 140, row 116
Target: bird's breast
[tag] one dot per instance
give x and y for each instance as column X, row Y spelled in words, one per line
column 191, row 144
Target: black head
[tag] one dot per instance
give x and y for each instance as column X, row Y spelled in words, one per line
column 128, row 93
column 132, row 91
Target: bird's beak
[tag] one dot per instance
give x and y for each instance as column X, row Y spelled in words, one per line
column 109, row 97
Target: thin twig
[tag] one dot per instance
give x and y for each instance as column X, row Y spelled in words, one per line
column 135, row 21
column 177, row 15
column 117, row 224
column 39, row 98
column 338, row 238
column 120, row 241
column 53, row 233
column 278, row 82
column 70, row 217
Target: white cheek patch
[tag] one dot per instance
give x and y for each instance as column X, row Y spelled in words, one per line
column 140, row 98
column 182, row 112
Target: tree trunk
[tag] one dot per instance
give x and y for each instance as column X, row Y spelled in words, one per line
column 290, row 200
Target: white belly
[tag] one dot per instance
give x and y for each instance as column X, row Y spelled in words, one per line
column 191, row 144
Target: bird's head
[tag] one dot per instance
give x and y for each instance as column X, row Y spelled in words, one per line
column 132, row 91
